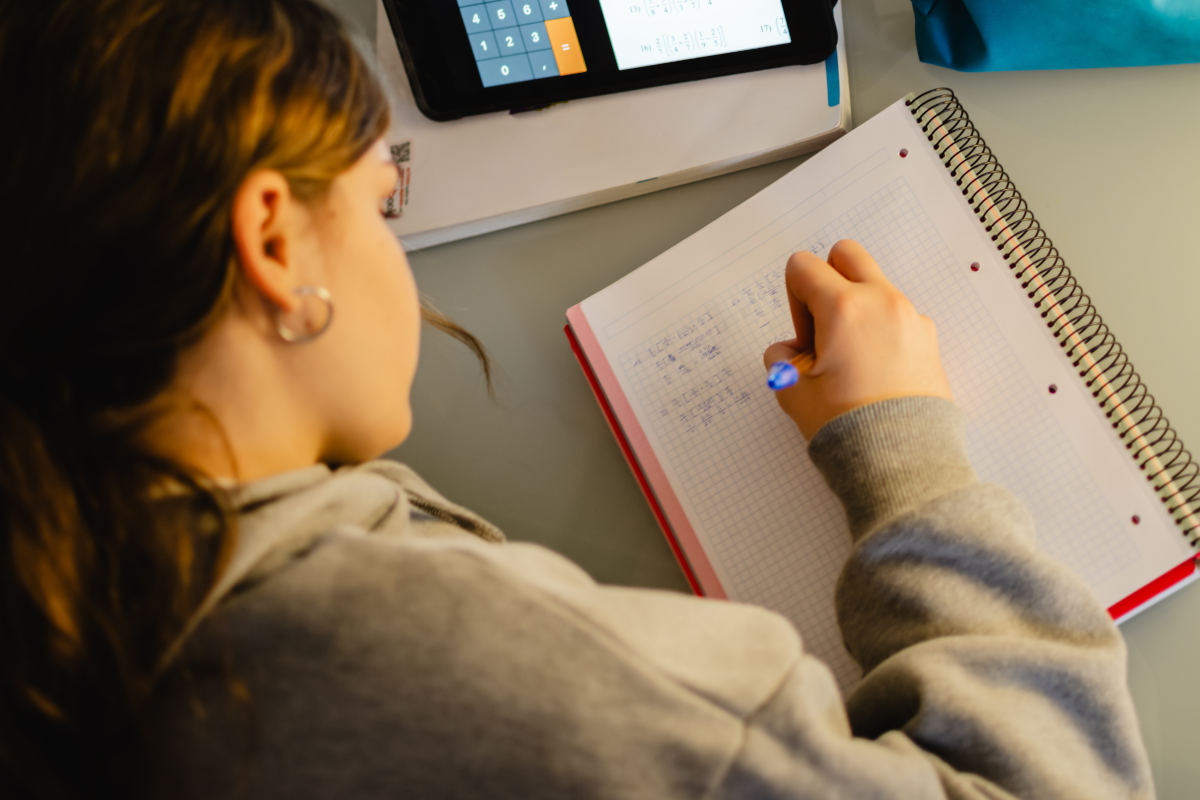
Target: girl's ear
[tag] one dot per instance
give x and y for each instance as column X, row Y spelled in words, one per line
column 266, row 223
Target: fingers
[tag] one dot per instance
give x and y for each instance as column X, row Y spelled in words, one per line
column 810, row 279
column 815, row 287
column 811, row 284
column 854, row 263
column 814, row 284
column 781, row 351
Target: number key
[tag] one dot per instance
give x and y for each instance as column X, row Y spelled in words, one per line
column 484, row 45
column 476, row 19
column 501, row 14
column 509, row 41
column 505, row 70
column 535, row 37
column 527, row 11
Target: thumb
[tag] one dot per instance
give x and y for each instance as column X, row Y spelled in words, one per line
column 781, row 351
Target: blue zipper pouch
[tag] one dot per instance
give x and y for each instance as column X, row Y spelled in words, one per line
column 985, row 35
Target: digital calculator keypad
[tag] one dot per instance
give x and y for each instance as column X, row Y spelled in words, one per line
column 522, row 40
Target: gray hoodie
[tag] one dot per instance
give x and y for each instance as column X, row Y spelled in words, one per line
column 373, row 640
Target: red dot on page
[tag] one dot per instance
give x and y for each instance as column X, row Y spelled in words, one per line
column 904, row 152
column 1053, row 388
column 974, row 266
column 1135, row 519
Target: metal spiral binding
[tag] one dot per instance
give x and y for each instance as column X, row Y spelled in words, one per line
column 1070, row 316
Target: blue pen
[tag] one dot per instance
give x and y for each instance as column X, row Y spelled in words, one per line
column 783, row 374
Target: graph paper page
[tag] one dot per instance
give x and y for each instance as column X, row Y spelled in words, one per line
column 682, row 338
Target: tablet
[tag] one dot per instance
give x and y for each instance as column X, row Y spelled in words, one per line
column 471, row 57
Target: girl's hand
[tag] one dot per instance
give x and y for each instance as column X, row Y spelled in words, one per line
column 870, row 343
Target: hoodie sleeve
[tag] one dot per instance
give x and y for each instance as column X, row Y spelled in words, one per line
column 982, row 656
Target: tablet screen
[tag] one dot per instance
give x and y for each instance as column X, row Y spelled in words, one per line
column 523, row 40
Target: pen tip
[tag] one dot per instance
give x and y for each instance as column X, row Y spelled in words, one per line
column 781, row 375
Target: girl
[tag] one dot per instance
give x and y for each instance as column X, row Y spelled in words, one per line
column 211, row 590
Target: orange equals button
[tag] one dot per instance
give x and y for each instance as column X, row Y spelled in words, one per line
column 565, row 42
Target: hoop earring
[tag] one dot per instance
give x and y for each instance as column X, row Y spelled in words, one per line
column 313, row 325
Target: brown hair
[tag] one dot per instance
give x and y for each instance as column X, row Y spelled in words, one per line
column 131, row 125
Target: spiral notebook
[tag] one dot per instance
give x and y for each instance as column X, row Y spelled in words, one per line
column 1055, row 411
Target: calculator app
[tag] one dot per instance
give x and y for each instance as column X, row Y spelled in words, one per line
column 522, row 40
column 648, row 32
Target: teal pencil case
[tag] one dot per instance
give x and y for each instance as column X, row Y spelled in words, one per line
column 983, row 35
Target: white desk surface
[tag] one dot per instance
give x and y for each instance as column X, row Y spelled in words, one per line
column 1109, row 160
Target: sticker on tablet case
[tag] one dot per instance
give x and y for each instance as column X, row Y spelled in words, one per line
column 393, row 206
